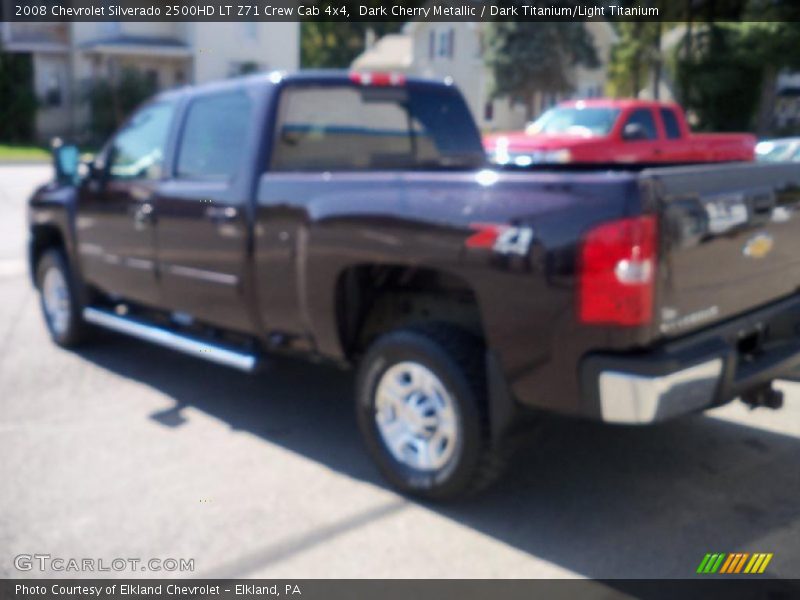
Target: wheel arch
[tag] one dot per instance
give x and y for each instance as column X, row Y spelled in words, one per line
column 371, row 299
column 43, row 238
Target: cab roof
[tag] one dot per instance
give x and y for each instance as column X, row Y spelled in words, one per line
column 621, row 103
column 322, row 76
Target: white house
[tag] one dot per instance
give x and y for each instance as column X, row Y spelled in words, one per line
column 787, row 105
column 67, row 56
column 433, row 49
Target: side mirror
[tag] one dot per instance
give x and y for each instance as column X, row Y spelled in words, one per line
column 634, row 132
column 66, row 159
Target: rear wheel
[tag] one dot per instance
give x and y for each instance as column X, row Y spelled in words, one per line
column 421, row 407
column 59, row 300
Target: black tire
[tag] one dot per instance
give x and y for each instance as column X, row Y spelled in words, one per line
column 75, row 330
column 457, row 359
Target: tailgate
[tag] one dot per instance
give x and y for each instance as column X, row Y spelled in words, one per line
column 730, row 240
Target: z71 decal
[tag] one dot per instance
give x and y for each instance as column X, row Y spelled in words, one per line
column 503, row 239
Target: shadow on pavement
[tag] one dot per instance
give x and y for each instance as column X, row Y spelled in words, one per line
column 600, row 501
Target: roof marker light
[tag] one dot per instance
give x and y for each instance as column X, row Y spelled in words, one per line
column 377, row 79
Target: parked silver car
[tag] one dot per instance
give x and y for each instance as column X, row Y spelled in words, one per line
column 779, row 150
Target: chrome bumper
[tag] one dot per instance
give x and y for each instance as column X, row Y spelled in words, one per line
column 636, row 399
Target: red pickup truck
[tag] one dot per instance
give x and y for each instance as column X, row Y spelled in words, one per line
column 608, row 131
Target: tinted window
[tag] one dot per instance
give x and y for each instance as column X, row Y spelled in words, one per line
column 214, row 136
column 670, row 123
column 352, row 128
column 644, row 117
column 138, row 149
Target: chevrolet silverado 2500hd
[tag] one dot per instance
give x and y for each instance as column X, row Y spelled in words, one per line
column 352, row 217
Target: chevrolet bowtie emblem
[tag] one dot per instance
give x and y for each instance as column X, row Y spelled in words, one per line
column 759, row 246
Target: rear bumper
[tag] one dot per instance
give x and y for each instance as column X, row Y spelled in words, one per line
column 696, row 372
column 626, row 397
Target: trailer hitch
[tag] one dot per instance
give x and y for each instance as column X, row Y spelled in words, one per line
column 763, row 396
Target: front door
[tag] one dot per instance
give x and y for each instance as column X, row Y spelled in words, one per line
column 202, row 220
column 646, row 147
column 116, row 208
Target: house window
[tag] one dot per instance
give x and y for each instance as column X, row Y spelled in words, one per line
column 52, row 92
column 441, row 43
column 446, row 43
column 488, row 111
column 237, row 69
column 112, row 68
column 151, row 75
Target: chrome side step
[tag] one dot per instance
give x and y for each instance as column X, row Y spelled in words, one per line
column 169, row 339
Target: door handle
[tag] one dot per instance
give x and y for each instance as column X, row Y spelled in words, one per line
column 222, row 213
column 143, row 215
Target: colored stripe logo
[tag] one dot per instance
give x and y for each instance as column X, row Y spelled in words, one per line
column 736, row 562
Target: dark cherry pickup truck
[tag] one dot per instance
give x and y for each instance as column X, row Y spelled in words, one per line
column 352, row 217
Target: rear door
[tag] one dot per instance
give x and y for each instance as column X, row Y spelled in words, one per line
column 202, row 211
column 676, row 147
column 731, row 240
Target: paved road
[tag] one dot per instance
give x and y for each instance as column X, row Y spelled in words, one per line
column 125, row 450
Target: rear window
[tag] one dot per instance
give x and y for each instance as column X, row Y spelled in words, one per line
column 670, row 123
column 214, row 136
column 326, row 128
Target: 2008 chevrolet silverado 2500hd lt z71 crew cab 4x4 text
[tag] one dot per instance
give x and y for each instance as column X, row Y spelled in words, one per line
column 352, row 217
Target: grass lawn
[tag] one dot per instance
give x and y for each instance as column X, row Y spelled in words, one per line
column 23, row 153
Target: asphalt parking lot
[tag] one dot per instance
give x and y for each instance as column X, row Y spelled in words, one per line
column 125, row 450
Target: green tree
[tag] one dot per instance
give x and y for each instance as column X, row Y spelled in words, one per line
column 330, row 45
column 635, row 59
column 18, row 104
column 527, row 57
column 774, row 46
column 730, row 78
column 728, row 71
column 719, row 81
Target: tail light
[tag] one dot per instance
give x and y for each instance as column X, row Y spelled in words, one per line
column 377, row 79
column 617, row 272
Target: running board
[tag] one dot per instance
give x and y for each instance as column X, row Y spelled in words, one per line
column 169, row 339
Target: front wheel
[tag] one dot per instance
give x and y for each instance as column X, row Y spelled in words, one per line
column 422, row 406
column 59, row 299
